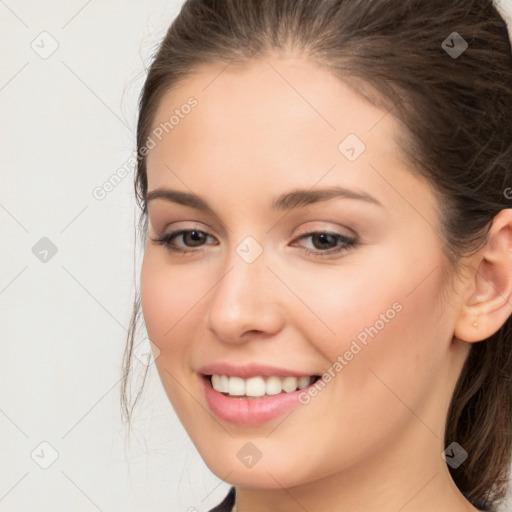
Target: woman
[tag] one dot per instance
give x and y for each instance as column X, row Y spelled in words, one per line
column 327, row 276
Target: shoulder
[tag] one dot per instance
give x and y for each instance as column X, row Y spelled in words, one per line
column 227, row 504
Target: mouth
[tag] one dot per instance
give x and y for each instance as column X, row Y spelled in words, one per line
column 256, row 399
column 257, row 387
column 251, row 394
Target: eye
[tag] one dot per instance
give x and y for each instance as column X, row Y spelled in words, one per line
column 193, row 236
column 324, row 243
column 327, row 240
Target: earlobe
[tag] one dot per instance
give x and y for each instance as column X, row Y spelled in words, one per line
column 488, row 302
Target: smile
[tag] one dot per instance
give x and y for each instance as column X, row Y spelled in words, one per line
column 259, row 386
column 253, row 394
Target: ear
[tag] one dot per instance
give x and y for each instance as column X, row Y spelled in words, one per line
column 488, row 296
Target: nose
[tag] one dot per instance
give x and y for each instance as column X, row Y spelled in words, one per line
column 245, row 302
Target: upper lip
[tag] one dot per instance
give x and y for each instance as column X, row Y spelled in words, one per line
column 246, row 371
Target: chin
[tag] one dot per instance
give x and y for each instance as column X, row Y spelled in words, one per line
column 274, row 473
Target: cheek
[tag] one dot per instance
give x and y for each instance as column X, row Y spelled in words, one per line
column 399, row 364
column 377, row 317
column 168, row 297
column 154, row 297
column 171, row 306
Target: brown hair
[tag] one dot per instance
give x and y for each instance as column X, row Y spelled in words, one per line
column 457, row 134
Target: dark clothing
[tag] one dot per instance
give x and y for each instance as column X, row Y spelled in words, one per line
column 227, row 504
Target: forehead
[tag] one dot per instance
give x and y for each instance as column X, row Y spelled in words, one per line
column 272, row 122
column 268, row 103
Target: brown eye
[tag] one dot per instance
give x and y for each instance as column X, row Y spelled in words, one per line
column 190, row 237
column 325, row 243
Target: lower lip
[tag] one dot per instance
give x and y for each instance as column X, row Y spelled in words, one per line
column 249, row 411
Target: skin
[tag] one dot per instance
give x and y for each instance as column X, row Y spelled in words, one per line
column 372, row 438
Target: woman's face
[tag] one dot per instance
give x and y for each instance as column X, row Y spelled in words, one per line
column 285, row 277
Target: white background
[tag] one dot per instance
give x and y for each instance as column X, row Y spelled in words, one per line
column 67, row 124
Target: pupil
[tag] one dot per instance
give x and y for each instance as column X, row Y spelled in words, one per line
column 195, row 236
column 323, row 237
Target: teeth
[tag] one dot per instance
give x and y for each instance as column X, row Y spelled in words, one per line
column 255, row 386
column 303, row 382
column 224, row 384
column 236, row 386
column 273, row 386
column 258, row 386
column 289, row 384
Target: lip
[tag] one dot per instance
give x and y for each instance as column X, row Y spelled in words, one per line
column 250, row 370
column 250, row 411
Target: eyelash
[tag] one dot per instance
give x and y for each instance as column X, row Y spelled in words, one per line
column 348, row 243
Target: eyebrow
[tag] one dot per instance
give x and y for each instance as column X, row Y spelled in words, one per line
column 288, row 201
